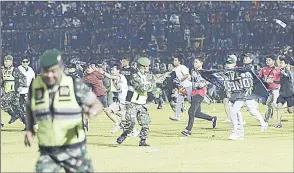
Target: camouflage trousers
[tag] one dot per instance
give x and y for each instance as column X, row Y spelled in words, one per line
column 10, row 104
column 70, row 159
column 136, row 112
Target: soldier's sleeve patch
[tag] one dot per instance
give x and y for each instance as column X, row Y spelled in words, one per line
column 64, row 91
column 39, row 94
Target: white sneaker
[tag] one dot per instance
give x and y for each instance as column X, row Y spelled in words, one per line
column 264, row 127
column 134, row 133
column 115, row 129
column 36, row 126
column 236, row 136
column 174, row 118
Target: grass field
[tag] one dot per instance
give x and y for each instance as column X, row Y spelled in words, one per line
column 206, row 150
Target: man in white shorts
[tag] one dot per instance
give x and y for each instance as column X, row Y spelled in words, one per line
column 117, row 108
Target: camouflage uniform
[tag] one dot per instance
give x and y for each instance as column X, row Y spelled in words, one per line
column 158, row 89
column 71, row 159
column 11, row 104
column 137, row 111
column 70, row 156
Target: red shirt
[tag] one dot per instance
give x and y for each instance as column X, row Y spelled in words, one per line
column 271, row 76
column 96, row 82
column 201, row 91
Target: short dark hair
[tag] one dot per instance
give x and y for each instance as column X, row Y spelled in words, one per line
column 283, row 58
column 201, row 59
column 179, row 56
column 125, row 57
column 24, row 57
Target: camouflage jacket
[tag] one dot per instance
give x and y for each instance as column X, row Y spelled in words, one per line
column 142, row 82
column 19, row 78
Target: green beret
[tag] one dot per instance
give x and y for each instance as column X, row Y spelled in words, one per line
column 144, row 61
column 8, row 57
column 50, row 58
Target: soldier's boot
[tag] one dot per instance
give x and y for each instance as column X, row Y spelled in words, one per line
column 122, row 137
column 143, row 143
column 12, row 119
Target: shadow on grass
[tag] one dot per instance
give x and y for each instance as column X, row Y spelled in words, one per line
column 12, row 130
column 110, row 145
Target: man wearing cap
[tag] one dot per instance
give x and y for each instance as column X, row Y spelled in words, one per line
column 136, row 101
column 231, row 62
column 236, row 97
column 270, row 75
column 13, row 80
column 57, row 102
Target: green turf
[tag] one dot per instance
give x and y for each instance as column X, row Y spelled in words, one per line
column 206, row 150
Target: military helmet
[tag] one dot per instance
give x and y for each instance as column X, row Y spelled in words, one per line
column 144, row 61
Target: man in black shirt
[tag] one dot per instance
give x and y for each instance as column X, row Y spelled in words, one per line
column 286, row 92
column 126, row 69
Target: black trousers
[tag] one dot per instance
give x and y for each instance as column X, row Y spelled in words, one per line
column 195, row 111
column 22, row 102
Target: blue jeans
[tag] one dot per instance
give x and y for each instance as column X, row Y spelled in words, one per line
column 103, row 100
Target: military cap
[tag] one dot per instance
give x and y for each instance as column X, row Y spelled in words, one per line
column 50, row 58
column 8, row 57
column 144, row 61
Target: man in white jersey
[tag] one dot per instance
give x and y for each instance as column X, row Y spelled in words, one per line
column 182, row 73
column 117, row 108
column 30, row 75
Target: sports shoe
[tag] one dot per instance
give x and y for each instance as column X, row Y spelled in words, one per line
column 186, row 132
column 134, row 133
column 214, row 122
column 235, row 136
column 278, row 126
column 264, row 127
column 115, row 129
column 174, row 118
column 36, row 126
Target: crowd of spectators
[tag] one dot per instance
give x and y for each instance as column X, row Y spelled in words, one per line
column 97, row 30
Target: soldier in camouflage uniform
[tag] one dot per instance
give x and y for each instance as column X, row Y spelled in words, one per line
column 57, row 102
column 136, row 101
column 158, row 92
column 12, row 80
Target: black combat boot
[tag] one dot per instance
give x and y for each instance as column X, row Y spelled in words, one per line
column 143, row 143
column 122, row 137
column 13, row 119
